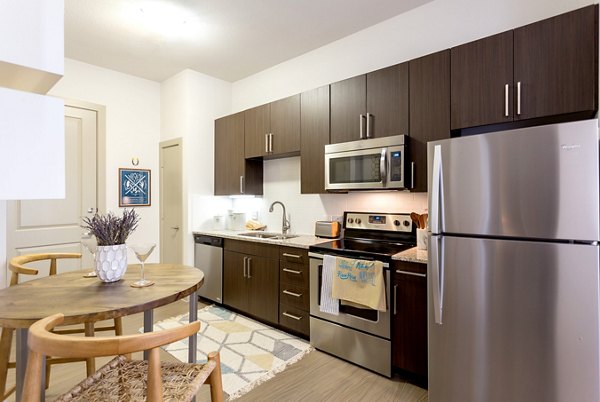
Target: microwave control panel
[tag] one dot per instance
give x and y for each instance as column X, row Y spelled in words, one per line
column 396, row 166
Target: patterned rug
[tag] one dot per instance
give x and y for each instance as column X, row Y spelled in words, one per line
column 251, row 352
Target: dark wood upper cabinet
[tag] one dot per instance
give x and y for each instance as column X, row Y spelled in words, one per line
column 273, row 129
column 429, row 109
column 482, row 77
column 370, row 106
column 547, row 71
column 285, row 126
column 387, row 101
column 314, row 135
column 258, row 127
column 348, row 106
column 556, row 64
column 233, row 173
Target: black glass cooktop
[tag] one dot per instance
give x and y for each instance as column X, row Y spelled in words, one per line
column 361, row 248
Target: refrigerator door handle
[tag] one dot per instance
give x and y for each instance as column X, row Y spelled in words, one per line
column 437, row 277
column 437, row 191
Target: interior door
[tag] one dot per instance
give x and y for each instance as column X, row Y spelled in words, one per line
column 171, row 203
column 39, row 226
column 512, row 320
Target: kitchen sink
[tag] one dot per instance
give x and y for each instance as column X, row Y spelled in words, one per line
column 267, row 235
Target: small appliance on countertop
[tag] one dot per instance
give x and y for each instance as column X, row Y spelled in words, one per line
column 327, row 229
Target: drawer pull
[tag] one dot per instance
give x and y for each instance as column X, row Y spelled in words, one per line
column 287, row 292
column 292, row 271
column 292, row 256
column 411, row 273
column 294, row 317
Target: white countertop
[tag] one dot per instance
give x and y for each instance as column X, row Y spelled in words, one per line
column 302, row 241
column 412, row 255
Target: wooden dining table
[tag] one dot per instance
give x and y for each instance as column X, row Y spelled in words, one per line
column 88, row 300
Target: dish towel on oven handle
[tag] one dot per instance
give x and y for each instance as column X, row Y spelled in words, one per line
column 328, row 304
column 359, row 281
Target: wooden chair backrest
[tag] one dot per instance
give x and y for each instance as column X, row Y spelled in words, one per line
column 16, row 264
column 41, row 341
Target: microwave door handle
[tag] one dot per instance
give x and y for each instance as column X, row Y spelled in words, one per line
column 383, row 166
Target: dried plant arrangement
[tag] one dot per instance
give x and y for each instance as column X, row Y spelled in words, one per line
column 110, row 229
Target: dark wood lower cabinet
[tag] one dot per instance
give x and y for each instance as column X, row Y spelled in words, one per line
column 267, row 282
column 251, row 282
column 409, row 322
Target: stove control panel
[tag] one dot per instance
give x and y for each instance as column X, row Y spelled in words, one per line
column 378, row 221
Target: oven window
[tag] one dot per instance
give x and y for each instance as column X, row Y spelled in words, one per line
column 355, row 169
column 364, row 313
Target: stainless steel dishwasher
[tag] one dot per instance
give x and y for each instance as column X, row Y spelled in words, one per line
column 208, row 256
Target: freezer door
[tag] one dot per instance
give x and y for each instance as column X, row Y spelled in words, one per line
column 538, row 182
column 515, row 321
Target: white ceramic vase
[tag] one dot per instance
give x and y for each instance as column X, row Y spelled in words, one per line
column 111, row 262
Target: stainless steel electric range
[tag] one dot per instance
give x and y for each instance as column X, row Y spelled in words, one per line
column 361, row 336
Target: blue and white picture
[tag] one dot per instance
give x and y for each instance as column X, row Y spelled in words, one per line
column 134, row 189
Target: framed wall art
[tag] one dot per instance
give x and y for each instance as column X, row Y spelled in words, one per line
column 134, row 187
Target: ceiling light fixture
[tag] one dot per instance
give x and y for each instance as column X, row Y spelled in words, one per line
column 161, row 18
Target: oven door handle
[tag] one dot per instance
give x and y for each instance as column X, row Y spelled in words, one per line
column 383, row 166
column 320, row 257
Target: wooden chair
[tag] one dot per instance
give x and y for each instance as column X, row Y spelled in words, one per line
column 122, row 379
column 17, row 268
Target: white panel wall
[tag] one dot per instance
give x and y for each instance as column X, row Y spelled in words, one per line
column 190, row 102
column 32, row 157
column 434, row 26
column 32, row 48
column 132, row 130
column 3, row 280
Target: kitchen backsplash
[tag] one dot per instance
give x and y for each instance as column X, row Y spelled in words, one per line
column 282, row 183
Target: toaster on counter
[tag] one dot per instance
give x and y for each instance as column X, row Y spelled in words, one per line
column 327, row 229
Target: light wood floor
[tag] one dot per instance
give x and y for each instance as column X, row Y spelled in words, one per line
column 316, row 377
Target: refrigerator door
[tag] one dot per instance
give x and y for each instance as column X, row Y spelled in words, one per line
column 538, row 183
column 519, row 321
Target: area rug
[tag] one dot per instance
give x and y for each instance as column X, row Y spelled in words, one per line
column 251, row 352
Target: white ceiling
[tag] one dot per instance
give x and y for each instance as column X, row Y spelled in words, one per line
column 227, row 39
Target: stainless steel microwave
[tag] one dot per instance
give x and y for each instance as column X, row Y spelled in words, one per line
column 372, row 164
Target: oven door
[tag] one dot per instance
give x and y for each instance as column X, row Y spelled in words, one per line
column 366, row 320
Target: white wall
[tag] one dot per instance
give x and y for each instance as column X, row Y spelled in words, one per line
column 132, row 129
column 3, row 270
column 434, row 26
column 190, row 102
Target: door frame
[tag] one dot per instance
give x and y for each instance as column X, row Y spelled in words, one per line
column 162, row 145
column 100, row 179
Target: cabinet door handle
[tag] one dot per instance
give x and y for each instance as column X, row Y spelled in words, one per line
column 249, row 262
column 411, row 273
column 506, row 100
column 287, row 292
column 241, row 184
column 412, row 175
column 266, row 143
column 519, row 98
column 395, row 298
column 271, row 142
column 292, row 271
column 294, row 317
column 245, row 259
column 369, row 125
column 360, row 125
column 292, row 255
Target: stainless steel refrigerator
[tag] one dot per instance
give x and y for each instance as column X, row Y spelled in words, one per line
column 513, row 265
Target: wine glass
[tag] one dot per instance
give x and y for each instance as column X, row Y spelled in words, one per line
column 88, row 241
column 142, row 252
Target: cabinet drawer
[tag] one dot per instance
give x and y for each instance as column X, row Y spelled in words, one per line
column 292, row 254
column 294, row 296
column 252, row 248
column 295, row 274
column 294, row 319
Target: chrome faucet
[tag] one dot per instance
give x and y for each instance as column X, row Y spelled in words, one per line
column 285, row 224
